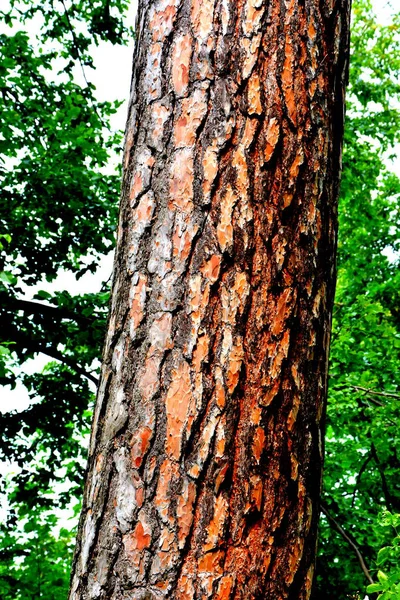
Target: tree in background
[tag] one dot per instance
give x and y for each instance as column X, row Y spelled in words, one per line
column 57, row 214
column 365, row 336
column 206, row 447
column 362, row 465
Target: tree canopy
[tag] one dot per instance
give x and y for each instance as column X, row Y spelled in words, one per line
column 58, row 214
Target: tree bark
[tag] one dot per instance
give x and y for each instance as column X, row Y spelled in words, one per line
column 206, row 450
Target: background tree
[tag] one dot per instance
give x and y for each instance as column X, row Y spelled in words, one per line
column 362, row 445
column 57, row 214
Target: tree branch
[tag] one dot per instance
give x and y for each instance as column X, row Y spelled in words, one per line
column 375, row 393
column 52, row 353
column 390, row 500
column 363, row 467
column 32, row 345
column 75, row 42
column 30, row 307
column 76, row 46
column 349, row 539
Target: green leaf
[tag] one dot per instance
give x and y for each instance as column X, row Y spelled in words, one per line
column 374, row 587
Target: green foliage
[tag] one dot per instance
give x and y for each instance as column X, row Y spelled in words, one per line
column 34, row 562
column 363, row 445
column 388, row 559
column 58, row 214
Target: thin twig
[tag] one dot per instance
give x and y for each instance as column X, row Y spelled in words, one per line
column 76, row 46
column 75, row 42
column 52, row 353
column 385, row 488
column 12, row 303
column 375, row 392
column 349, row 540
column 361, row 471
column 32, row 345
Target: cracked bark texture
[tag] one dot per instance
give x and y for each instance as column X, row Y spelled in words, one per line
column 206, row 450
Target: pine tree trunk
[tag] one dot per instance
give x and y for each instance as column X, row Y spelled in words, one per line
column 206, row 450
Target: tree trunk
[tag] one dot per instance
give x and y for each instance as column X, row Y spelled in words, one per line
column 206, row 449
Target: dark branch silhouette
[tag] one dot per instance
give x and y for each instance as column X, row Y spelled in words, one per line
column 11, row 303
column 350, row 540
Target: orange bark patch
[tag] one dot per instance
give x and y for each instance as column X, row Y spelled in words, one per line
column 185, row 589
column 220, row 478
column 235, row 364
column 256, row 415
column 211, row 268
column 184, row 511
column 225, row 588
column 202, row 13
column 241, row 286
column 210, row 169
column 225, row 227
column 168, row 472
column 253, row 16
column 141, row 536
column 137, row 541
column 182, row 239
column 181, row 181
column 272, row 137
column 139, row 496
column 280, row 353
column 205, row 444
column 181, row 55
column 220, row 441
column 141, row 176
column 251, row 48
column 219, row 388
column 216, row 525
column 298, row 161
column 249, row 132
column 179, row 404
column 294, row 560
column 140, row 444
column 197, row 304
column 312, row 32
column 258, row 443
column 166, row 557
column 254, row 95
column 211, row 563
column 292, row 416
column 138, row 300
column 144, row 210
column 137, row 186
column 192, row 113
column 162, row 20
column 283, row 309
column 288, row 82
column 201, row 352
